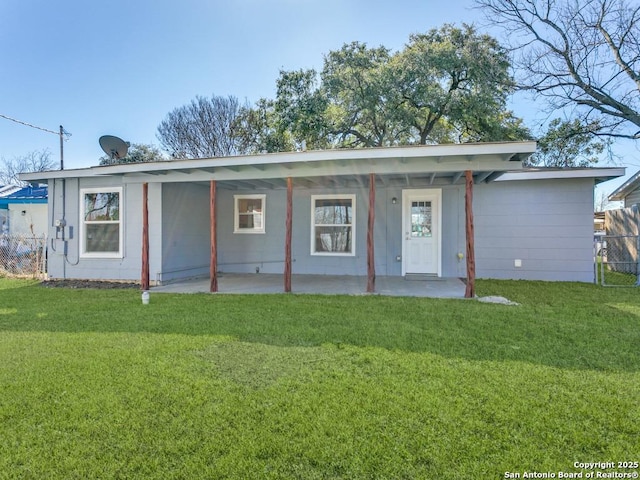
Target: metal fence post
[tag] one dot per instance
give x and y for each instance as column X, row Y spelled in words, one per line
column 601, row 262
column 638, row 261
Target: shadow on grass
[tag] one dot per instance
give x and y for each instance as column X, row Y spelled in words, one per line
column 571, row 326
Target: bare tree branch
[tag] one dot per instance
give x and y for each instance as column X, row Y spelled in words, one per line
column 204, row 128
column 36, row 161
column 584, row 53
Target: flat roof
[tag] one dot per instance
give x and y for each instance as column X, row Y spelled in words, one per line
column 439, row 159
column 542, row 173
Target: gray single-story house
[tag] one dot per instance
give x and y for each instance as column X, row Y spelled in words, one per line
column 435, row 210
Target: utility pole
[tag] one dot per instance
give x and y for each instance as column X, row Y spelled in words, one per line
column 61, row 148
column 61, row 133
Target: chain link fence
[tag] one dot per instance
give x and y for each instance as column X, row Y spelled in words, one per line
column 617, row 260
column 22, row 255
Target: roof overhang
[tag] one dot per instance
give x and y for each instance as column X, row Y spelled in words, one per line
column 424, row 164
column 599, row 175
column 22, row 195
column 626, row 188
column 4, row 202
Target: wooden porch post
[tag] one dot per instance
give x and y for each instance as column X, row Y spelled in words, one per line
column 213, row 261
column 371, row 265
column 144, row 280
column 470, row 291
column 287, row 237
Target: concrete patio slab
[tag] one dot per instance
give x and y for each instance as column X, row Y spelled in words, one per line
column 321, row 284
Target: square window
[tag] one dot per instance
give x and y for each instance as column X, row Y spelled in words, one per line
column 249, row 213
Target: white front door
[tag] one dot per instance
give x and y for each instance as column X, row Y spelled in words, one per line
column 421, row 231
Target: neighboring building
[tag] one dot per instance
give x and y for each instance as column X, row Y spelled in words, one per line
column 23, row 210
column 626, row 220
column 529, row 223
column 628, row 192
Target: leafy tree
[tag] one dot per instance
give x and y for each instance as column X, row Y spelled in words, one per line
column 207, row 127
column 36, row 161
column 259, row 129
column 449, row 85
column 567, row 144
column 137, row 153
column 363, row 97
column 460, row 77
column 581, row 54
column 301, row 108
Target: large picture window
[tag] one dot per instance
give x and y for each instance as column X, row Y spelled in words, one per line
column 332, row 224
column 249, row 213
column 101, row 222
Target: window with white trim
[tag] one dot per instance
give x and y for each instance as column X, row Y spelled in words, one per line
column 249, row 213
column 101, row 222
column 332, row 224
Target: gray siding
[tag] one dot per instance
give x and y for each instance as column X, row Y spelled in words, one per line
column 185, row 231
column 248, row 252
column 453, row 233
column 546, row 224
column 67, row 263
column 244, row 253
column 633, row 198
column 185, row 234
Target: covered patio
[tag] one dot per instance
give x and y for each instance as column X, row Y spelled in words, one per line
column 391, row 221
column 235, row 283
column 421, row 171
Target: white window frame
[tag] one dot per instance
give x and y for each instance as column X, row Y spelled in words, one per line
column 236, row 214
column 351, row 197
column 120, row 222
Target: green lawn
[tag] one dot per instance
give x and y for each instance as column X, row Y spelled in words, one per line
column 93, row 384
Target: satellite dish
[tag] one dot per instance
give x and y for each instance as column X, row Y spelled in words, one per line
column 113, row 146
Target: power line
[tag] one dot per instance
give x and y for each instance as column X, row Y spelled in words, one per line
column 67, row 134
column 62, row 133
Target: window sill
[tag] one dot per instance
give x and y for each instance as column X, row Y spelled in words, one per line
column 102, row 255
column 250, row 232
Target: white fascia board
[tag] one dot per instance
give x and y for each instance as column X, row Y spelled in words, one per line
column 470, row 152
column 626, row 188
column 541, row 174
column 335, row 168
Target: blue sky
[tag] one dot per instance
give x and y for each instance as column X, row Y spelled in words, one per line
column 116, row 67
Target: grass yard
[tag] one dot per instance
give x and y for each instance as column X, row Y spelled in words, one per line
column 95, row 385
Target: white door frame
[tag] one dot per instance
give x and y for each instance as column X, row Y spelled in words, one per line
column 429, row 192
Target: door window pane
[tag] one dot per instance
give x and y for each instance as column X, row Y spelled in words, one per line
column 421, row 219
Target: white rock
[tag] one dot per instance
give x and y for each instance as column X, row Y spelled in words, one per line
column 500, row 300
